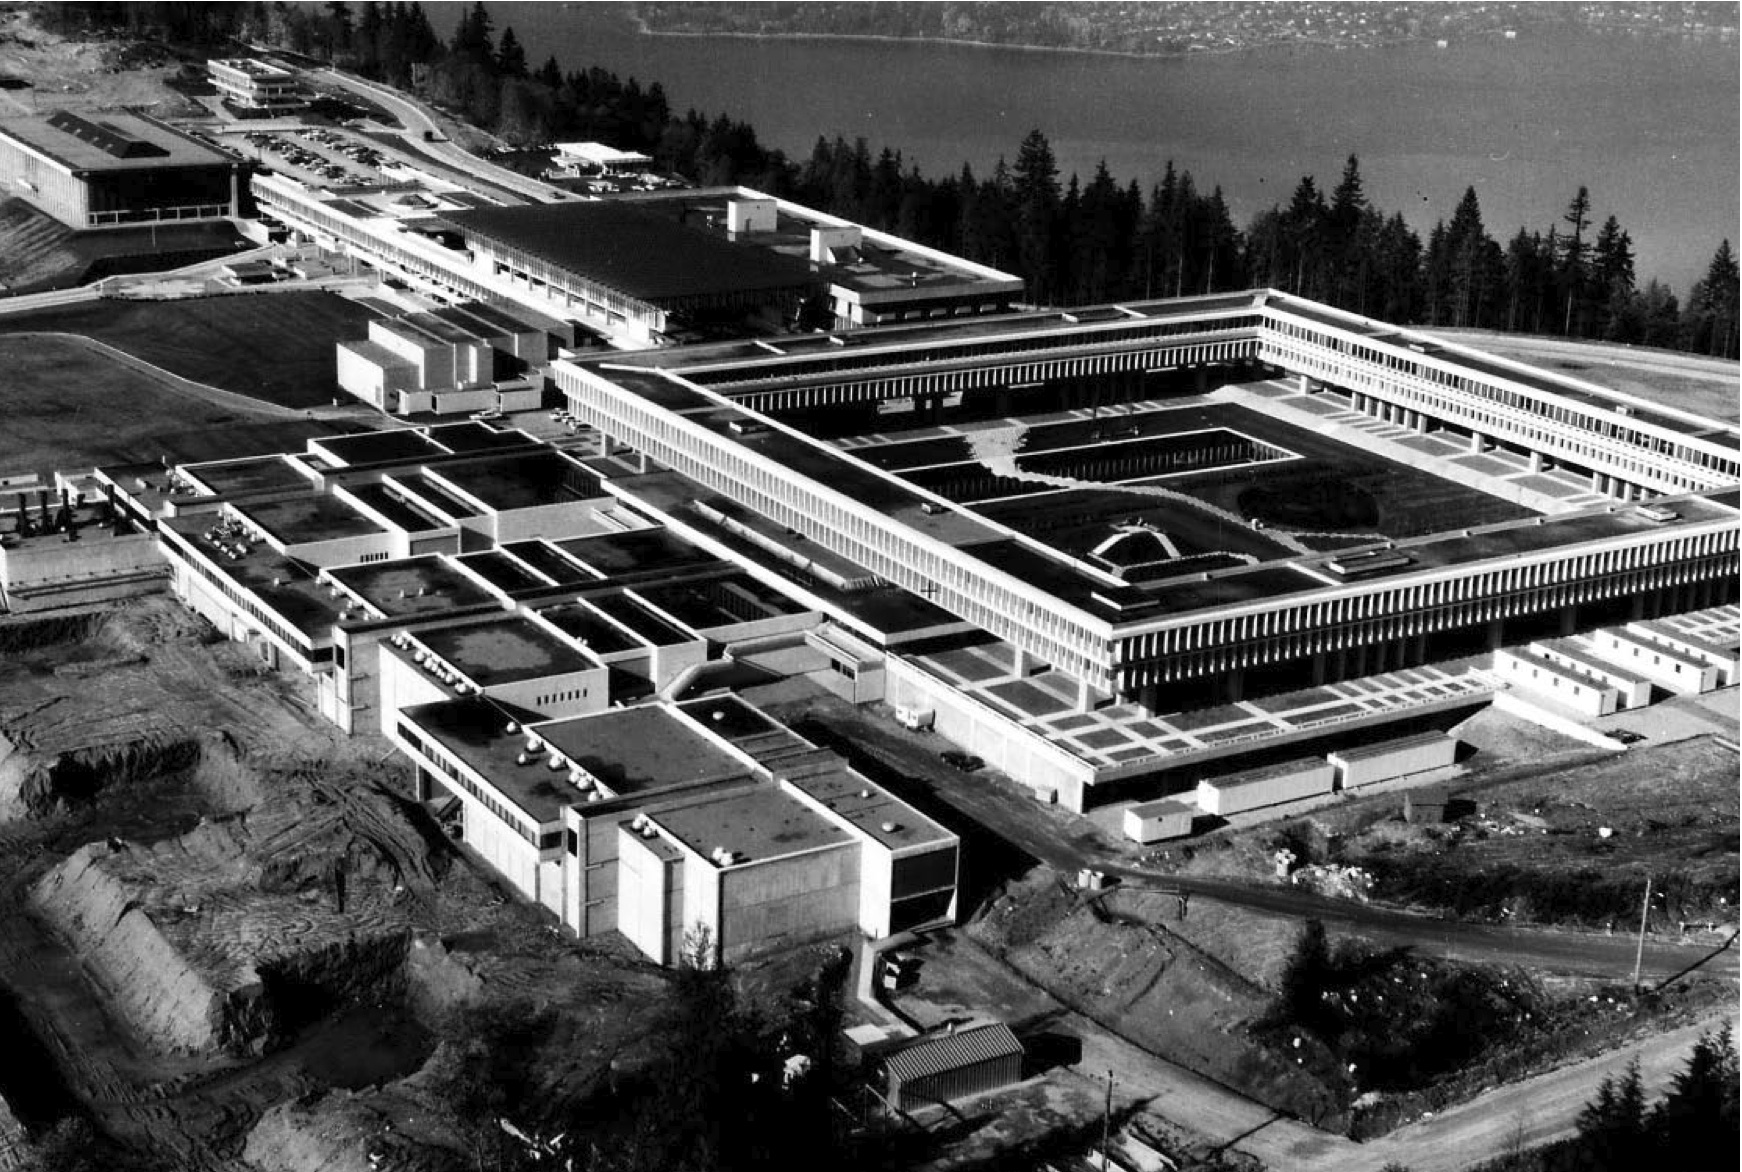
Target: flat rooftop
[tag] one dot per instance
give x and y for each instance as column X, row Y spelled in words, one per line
column 398, row 445
column 398, row 510
column 523, row 481
column 315, row 517
column 284, row 587
column 874, row 811
column 719, row 602
column 112, row 140
column 877, row 264
column 412, row 586
column 641, row 750
column 508, row 650
column 475, row 730
column 754, row 824
column 1121, row 738
column 589, row 626
column 746, row 727
column 547, row 559
column 251, row 474
column 636, row 551
column 635, row 614
column 647, row 255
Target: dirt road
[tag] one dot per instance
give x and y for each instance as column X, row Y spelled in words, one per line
column 909, row 765
column 1537, row 1111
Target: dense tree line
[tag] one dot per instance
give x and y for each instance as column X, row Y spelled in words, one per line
column 1073, row 241
column 1694, row 1126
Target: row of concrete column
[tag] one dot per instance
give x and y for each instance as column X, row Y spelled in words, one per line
column 1410, row 651
column 1601, row 482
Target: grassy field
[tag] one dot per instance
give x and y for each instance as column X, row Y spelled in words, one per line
column 277, row 347
column 1693, row 383
column 65, row 406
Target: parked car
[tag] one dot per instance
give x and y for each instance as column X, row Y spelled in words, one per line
column 1626, row 736
column 966, row 762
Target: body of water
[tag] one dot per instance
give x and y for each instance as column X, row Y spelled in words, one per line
column 1650, row 125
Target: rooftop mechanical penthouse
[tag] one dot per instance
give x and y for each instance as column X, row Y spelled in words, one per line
column 1178, row 500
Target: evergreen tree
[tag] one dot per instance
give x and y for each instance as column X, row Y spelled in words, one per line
column 510, row 57
column 1035, row 199
column 1572, row 275
column 1696, row 1124
column 1711, row 326
column 1612, row 1127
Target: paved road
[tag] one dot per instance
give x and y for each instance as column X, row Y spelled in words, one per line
column 419, row 123
column 1537, row 1111
column 1067, row 844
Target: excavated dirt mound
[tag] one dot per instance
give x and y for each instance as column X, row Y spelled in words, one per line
column 106, row 698
column 240, row 931
column 361, row 1131
column 1150, row 984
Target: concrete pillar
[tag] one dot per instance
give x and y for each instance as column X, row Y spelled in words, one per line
column 1319, row 667
column 1304, row 384
column 1233, row 686
column 1477, row 442
column 1536, row 461
column 1569, row 620
column 425, row 787
column 604, row 444
column 1200, row 380
column 1085, row 696
column 1025, row 663
column 641, row 464
column 1496, row 634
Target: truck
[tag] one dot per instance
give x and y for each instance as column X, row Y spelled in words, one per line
column 915, row 718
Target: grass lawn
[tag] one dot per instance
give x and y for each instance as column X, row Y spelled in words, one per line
column 65, row 406
column 272, row 346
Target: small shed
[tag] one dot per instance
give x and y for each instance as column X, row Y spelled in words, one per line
column 1285, row 781
column 1368, row 764
column 953, row 1065
column 1156, row 821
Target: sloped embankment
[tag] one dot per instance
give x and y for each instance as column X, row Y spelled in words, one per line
column 245, row 929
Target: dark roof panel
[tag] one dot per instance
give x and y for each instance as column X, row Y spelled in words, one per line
column 643, row 254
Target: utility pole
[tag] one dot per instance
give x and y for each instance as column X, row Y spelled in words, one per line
column 1639, row 952
column 1107, row 1122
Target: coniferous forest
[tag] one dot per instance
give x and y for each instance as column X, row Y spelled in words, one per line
column 1074, row 240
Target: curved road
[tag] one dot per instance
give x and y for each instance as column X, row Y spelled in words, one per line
column 419, row 123
column 888, row 754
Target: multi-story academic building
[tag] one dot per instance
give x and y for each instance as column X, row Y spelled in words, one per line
column 1145, row 506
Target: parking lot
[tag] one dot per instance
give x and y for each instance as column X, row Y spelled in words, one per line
column 316, row 155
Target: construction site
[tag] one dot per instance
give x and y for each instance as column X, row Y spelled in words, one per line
column 231, row 932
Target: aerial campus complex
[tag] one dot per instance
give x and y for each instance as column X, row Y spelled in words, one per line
column 1198, row 554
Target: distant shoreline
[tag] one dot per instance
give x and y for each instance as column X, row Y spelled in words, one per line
column 642, row 28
